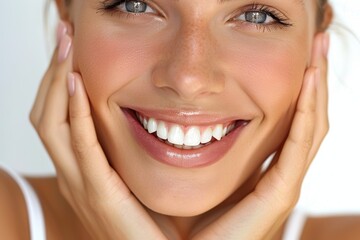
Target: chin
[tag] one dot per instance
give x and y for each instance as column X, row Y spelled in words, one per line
column 180, row 207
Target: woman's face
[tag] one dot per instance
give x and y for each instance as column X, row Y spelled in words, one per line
column 191, row 69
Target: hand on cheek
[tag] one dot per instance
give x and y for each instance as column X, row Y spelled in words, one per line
column 62, row 117
column 278, row 190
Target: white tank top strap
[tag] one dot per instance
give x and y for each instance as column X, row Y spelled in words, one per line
column 35, row 213
column 295, row 225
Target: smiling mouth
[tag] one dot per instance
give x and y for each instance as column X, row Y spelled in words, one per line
column 184, row 139
column 190, row 136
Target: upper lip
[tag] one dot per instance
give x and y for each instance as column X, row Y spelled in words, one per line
column 189, row 117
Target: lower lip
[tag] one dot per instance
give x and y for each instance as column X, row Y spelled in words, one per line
column 182, row 158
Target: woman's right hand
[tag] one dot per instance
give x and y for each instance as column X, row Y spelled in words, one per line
column 62, row 118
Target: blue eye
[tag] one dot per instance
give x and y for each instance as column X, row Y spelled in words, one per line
column 135, row 7
column 126, row 6
column 256, row 17
column 263, row 17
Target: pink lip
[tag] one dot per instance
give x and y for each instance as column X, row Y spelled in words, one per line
column 182, row 158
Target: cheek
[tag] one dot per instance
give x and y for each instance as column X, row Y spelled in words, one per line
column 270, row 73
column 108, row 62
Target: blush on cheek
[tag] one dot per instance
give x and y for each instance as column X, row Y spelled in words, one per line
column 271, row 75
column 107, row 63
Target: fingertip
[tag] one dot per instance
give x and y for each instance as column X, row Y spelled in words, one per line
column 325, row 44
column 308, row 92
column 74, row 83
column 64, row 48
column 311, row 77
column 71, row 84
column 79, row 104
column 317, row 49
column 61, row 31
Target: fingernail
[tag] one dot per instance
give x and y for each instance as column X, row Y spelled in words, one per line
column 326, row 43
column 61, row 31
column 71, row 84
column 64, row 47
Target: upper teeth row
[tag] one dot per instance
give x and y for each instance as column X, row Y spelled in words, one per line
column 176, row 135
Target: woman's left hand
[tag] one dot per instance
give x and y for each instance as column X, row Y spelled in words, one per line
column 261, row 213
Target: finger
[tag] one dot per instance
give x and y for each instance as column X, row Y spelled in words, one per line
column 39, row 102
column 293, row 160
column 278, row 190
column 56, row 99
column 103, row 185
column 53, row 127
column 319, row 59
column 274, row 196
column 90, row 156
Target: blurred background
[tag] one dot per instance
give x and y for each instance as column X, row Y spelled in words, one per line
column 333, row 181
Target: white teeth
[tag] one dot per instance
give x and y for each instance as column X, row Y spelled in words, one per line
column 224, row 132
column 162, row 131
column 192, row 137
column 145, row 123
column 230, row 128
column 176, row 135
column 152, row 125
column 217, row 132
column 206, row 136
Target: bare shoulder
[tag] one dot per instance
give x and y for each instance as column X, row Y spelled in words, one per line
column 61, row 220
column 332, row 228
column 13, row 212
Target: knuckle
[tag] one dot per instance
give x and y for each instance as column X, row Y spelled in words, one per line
column 288, row 200
column 82, row 147
column 326, row 127
column 302, row 146
column 323, row 130
column 43, row 132
column 33, row 118
column 79, row 113
column 307, row 144
column 287, row 193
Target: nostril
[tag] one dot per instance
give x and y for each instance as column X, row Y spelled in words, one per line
column 188, row 81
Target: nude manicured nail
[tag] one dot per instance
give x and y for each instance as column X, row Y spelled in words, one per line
column 64, row 48
column 325, row 44
column 71, row 84
column 61, row 31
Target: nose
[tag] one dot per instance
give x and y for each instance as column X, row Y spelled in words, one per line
column 189, row 69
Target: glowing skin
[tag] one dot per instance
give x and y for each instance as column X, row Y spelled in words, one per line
column 190, row 56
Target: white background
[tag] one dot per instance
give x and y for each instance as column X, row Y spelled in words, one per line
column 333, row 182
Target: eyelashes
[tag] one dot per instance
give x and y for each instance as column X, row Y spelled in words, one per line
column 107, row 5
column 281, row 18
column 263, row 17
column 113, row 5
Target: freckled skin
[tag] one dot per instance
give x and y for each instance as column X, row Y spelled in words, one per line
column 180, row 62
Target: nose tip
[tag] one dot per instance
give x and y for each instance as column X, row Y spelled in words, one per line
column 189, row 80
